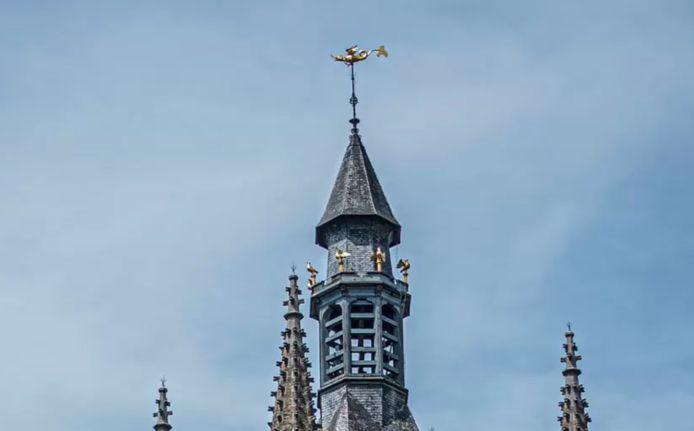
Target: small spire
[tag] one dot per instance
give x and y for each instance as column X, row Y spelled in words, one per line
column 162, row 414
column 294, row 299
column 293, row 400
column 574, row 416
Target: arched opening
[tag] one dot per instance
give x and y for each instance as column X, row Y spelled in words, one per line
column 334, row 349
column 390, row 341
column 362, row 334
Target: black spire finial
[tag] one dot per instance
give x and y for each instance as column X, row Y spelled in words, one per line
column 355, row 55
column 353, row 101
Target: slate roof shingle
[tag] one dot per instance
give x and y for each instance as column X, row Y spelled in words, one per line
column 357, row 191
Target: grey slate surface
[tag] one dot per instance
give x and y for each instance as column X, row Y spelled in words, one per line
column 357, row 191
column 357, row 414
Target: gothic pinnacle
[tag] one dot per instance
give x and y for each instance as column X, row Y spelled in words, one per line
column 162, row 414
column 574, row 416
column 293, row 400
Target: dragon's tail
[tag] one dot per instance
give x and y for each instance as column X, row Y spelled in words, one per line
column 381, row 51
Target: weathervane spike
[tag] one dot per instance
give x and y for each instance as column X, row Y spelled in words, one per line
column 355, row 55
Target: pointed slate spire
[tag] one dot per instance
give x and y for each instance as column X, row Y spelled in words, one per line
column 574, row 416
column 162, row 414
column 293, row 409
column 357, row 192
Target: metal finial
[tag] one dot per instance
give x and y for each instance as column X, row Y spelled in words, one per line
column 293, row 269
column 568, row 325
column 353, row 101
column 355, row 55
column 163, row 381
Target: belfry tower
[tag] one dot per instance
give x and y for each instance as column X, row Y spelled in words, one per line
column 360, row 306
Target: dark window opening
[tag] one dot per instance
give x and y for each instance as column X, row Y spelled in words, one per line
column 334, row 356
column 362, row 338
column 390, row 341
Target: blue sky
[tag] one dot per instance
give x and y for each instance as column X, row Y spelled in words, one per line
column 164, row 163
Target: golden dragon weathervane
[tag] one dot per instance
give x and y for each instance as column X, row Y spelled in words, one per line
column 355, row 55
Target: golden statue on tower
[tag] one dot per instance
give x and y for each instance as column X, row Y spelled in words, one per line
column 340, row 256
column 379, row 257
column 314, row 275
column 404, row 267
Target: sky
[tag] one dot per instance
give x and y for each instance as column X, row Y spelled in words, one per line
column 164, row 163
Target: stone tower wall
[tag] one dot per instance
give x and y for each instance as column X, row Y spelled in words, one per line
column 360, row 238
column 366, row 407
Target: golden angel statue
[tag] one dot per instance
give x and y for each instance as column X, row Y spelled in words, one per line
column 340, row 255
column 404, row 267
column 354, row 54
column 379, row 257
column 314, row 274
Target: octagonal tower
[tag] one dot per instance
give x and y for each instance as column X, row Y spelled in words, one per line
column 360, row 306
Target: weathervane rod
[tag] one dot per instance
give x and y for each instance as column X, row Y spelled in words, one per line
column 353, row 101
column 355, row 55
